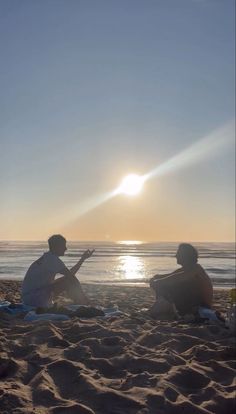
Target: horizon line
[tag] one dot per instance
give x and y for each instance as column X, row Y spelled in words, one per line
column 122, row 241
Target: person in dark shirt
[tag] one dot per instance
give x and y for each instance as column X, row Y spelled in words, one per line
column 185, row 289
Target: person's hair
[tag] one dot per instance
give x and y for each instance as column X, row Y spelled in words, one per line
column 55, row 241
column 188, row 254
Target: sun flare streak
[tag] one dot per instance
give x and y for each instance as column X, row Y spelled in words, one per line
column 203, row 149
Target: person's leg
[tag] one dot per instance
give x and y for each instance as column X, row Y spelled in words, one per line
column 163, row 304
column 73, row 289
column 182, row 293
column 162, row 307
column 39, row 297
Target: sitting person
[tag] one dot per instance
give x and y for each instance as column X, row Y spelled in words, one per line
column 184, row 290
column 39, row 285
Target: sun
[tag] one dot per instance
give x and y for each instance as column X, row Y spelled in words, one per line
column 131, row 184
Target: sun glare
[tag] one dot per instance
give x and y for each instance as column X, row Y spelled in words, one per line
column 131, row 184
column 131, row 267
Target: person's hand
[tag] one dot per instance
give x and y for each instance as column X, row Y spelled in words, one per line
column 156, row 277
column 152, row 283
column 153, row 280
column 88, row 253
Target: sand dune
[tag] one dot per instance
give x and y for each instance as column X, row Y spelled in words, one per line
column 127, row 364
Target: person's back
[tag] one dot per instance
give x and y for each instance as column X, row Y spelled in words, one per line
column 41, row 274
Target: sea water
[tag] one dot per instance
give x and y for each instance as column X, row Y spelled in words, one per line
column 121, row 262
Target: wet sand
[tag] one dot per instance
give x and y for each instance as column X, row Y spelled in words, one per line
column 124, row 365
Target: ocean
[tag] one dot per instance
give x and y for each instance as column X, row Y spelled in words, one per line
column 121, row 262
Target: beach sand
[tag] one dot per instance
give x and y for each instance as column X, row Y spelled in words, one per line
column 126, row 364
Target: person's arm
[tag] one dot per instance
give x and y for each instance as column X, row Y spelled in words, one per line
column 72, row 272
column 158, row 277
column 76, row 267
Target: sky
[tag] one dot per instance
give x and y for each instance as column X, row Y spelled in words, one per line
column 92, row 91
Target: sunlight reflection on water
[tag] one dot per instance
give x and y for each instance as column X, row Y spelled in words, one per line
column 131, row 267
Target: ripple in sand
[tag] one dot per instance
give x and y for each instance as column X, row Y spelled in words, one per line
column 72, row 409
column 188, row 378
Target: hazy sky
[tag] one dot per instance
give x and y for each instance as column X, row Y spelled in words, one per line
column 91, row 90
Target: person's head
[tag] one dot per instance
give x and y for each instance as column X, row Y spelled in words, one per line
column 187, row 255
column 57, row 244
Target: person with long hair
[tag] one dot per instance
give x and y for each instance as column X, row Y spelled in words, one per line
column 184, row 290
